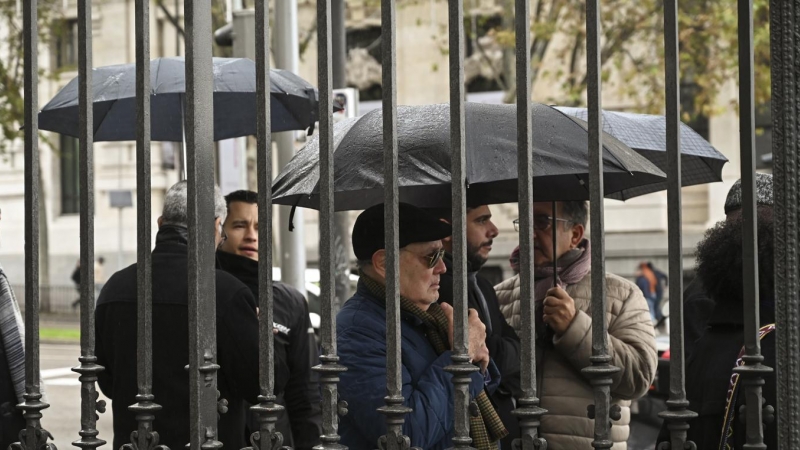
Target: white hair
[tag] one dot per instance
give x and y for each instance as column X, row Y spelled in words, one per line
column 176, row 205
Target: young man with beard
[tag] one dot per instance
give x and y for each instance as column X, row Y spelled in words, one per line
column 301, row 422
column 501, row 340
column 709, row 370
column 427, row 341
column 564, row 330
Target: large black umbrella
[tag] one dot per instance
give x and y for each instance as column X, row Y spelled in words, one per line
column 293, row 101
column 561, row 164
column 647, row 134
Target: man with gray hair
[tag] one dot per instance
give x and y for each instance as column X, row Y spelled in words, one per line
column 237, row 336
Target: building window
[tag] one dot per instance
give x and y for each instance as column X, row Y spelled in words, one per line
column 66, row 43
column 70, row 185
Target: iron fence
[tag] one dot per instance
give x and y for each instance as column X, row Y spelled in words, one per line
column 204, row 404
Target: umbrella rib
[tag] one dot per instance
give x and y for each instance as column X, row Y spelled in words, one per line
column 605, row 148
column 154, row 86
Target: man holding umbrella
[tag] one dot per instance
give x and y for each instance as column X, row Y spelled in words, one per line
column 501, row 340
column 564, row 329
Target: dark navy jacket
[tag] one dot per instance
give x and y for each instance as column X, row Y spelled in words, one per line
column 427, row 387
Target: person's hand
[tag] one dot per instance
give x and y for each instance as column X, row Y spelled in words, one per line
column 478, row 352
column 448, row 312
column 559, row 310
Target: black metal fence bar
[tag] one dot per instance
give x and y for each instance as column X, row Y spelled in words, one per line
column 394, row 410
column 752, row 371
column 528, row 410
column 461, row 367
column 601, row 370
column 200, row 177
column 34, row 436
column 267, row 409
column 329, row 369
column 88, row 368
column 145, row 408
column 785, row 55
column 677, row 415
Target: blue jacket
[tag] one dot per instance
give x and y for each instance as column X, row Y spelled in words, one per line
column 427, row 387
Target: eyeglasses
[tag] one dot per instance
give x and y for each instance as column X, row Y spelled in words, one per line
column 433, row 258
column 541, row 222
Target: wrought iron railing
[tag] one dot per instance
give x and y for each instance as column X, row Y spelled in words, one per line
column 205, row 404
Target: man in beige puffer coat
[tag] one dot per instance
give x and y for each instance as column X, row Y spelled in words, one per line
column 564, row 330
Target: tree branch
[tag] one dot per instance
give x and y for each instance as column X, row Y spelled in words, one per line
column 172, row 19
column 485, row 57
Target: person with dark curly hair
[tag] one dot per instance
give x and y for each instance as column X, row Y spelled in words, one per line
column 711, row 387
column 697, row 304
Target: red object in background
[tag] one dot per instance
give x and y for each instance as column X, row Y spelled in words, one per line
column 665, row 355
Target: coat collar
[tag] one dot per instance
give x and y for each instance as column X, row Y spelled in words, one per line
column 363, row 291
column 172, row 239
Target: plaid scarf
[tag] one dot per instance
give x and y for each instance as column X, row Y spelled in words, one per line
column 486, row 428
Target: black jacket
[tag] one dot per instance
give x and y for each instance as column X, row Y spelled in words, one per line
column 697, row 308
column 237, row 346
column 708, row 374
column 301, row 422
column 502, row 342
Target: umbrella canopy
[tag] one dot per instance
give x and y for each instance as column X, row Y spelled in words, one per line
column 647, row 134
column 561, row 162
column 293, row 101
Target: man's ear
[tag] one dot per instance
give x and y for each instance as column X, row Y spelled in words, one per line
column 577, row 235
column 160, row 221
column 379, row 262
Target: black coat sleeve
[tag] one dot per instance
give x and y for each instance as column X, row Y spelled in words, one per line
column 105, row 355
column 503, row 343
column 237, row 344
column 697, row 309
column 302, row 389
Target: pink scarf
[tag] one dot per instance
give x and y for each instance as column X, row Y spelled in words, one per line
column 573, row 266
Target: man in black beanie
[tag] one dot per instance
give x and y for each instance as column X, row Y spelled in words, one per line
column 427, row 340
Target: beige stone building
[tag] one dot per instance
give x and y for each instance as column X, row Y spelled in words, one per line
column 636, row 230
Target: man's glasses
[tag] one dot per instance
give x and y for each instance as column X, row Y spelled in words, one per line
column 541, row 222
column 432, row 259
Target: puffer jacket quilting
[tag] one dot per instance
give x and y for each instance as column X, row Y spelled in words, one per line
column 564, row 391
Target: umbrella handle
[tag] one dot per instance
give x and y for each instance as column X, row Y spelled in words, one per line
column 291, row 217
column 555, row 240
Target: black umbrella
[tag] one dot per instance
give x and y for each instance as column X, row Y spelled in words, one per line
column 647, row 134
column 293, row 101
column 561, row 163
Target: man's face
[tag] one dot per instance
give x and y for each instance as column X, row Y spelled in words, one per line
column 567, row 235
column 241, row 230
column 480, row 233
column 418, row 281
